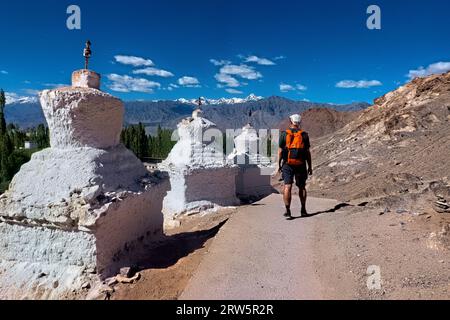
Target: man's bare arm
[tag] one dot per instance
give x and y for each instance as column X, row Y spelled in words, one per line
column 280, row 158
column 309, row 160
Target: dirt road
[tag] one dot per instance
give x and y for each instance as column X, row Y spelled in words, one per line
column 259, row 254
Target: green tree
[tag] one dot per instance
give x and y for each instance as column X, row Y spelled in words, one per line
column 134, row 137
column 42, row 137
column 2, row 114
column 6, row 149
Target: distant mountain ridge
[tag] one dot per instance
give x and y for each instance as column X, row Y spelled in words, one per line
column 260, row 112
column 13, row 98
column 206, row 101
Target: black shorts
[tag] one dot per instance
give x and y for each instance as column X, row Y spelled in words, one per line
column 299, row 172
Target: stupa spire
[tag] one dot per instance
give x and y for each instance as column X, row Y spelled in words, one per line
column 87, row 54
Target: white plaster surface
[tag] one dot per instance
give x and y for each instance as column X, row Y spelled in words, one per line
column 82, row 117
column 247, row 141
column 199, row 176
column 85, row 79
column 254, row 176
column 196, row 147
column 30, row 280
column 253, row 182
column 200, row 189
column 27, row 243
column 55, row 179
column 84, row 203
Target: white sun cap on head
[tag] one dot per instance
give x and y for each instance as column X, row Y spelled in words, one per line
column 296, row 118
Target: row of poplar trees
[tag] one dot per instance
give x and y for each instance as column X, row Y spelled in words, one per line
column 13, row 155
column 158, row 146
column 12, row 140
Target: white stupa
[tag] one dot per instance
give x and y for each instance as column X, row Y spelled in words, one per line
column 76, row 207
column 253, row 180
column 199, row 174
column 192, row 149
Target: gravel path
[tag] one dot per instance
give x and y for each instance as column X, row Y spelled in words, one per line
column 259, row 254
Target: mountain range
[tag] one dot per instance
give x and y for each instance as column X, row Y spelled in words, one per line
column 206, row 101
column 231, row 113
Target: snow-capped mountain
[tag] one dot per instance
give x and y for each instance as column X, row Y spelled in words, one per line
column 206, row 101
column 14, row 98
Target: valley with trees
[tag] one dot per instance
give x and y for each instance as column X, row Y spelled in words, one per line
column 13, row 153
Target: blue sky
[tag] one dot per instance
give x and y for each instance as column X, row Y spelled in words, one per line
column 320, row 51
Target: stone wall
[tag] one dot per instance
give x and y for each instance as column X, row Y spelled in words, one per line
column 253, row 183
column 200, row 188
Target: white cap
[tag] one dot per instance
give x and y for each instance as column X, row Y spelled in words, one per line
column 296, row 118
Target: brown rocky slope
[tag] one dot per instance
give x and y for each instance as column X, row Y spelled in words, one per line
column 322, row 121
column 398, row 149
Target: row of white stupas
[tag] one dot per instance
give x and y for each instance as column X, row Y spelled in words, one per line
column 77, row 210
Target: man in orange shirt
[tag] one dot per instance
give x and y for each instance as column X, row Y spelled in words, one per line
column 293, row 156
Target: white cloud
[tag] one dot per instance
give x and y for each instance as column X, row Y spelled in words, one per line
column 287, row 87
column 172, row 87
column 361, row 84
column 154, row 72
column 227, row 80
column 261, row 61
column 4, row 72
column 134, row 61
column 189, row 82
column 243, row 71
column 32, row 92
column 435, row 68
column 279, row 58
column 56, row 85
column 233, row 91
column 229, row 73
column 129, row 84
column 219, row 62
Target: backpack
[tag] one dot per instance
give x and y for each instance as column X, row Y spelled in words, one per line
column 296, row 147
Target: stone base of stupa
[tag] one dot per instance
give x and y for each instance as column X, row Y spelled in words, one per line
column 73, row 212
column 253, row 182
column 197, row 190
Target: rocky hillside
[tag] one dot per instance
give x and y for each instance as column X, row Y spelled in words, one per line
column 398, row 149
column 323, row 121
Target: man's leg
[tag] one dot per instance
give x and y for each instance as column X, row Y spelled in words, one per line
column 288, row 178
column 303, row 196
column 301, row 177
column 287, row 196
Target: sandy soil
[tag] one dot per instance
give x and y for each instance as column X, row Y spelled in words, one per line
column 413, row 263
column 411, row 250
column 166, row 269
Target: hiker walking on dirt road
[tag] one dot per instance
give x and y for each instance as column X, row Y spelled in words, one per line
column 293, row 156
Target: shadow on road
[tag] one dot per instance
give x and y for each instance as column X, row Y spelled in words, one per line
column 173, row 248
column 310, row 215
